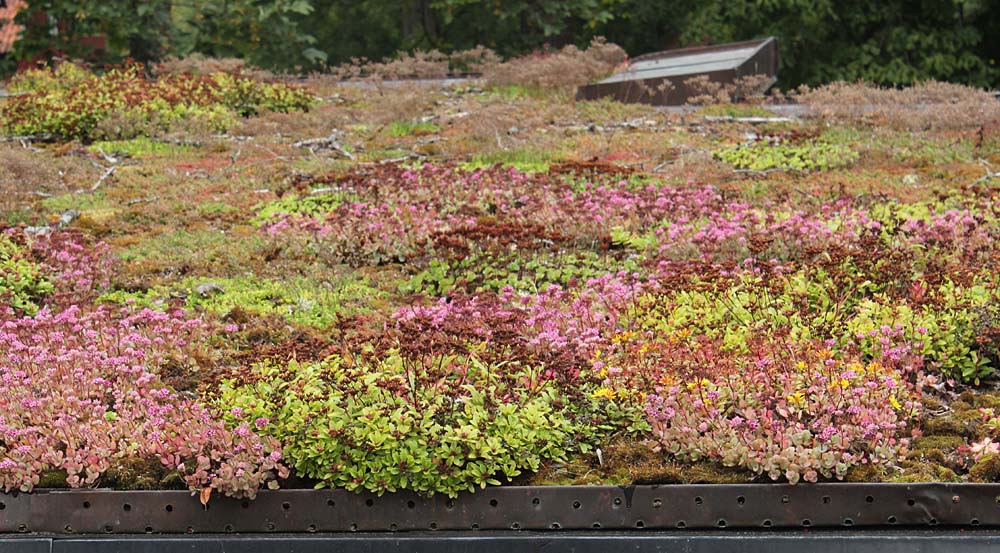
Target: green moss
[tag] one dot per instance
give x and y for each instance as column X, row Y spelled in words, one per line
column 137, row 147
column 943, row 443
column 91, row 201
column 193, row 251
column 735, row 110
column 52, row 479
column 400, row 129
column 987, row 469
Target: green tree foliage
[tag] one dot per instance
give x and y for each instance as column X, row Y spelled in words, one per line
column 888, row 42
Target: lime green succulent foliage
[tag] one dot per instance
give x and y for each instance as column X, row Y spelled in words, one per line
column 21, row 281
column 312, row 205
column 812, row 306
column 444, row 425
column 302, row 301
column 809, row 156
column 494, row 271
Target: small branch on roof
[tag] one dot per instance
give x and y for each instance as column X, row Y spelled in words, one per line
column 43, row 137
column 751, row 120
column 103, row 178
column 110, row 159
column 142, row 201
column 330, row 143
column 178, row 141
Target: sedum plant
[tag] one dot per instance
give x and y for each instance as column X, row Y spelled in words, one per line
column 443, row 424
column 21, row 280
column 816, row 156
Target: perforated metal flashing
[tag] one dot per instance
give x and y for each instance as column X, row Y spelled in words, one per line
column 556, row 508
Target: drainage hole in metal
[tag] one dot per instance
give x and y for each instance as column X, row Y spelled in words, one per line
column 493, row 503
column 286, row 505
column 657, row 503
column 149, row 529
column 126, row 507
column 848, row 522
column 596, row 525
column 535, row 501
column 475, row 526
column 515, row 526
column 932, row 522
column 576, row 505
column 369, row 502
column 974, row 522
column 721, row 523
column 698, row 500
column 331, row 503
column 640, row 524
column 911, row 502
column 892, row 520
column 450, row 504
column 827, row 499
column 767, row 523
column 785, row 499
column 434, row 526
column 681, row 524
column 270, row 526
column 169, row 508
column 869, row 499
column 190, row 529
column 22, row 527
column 617, row 501
column 229, row 528
column 245, row 504
column 353, row 527
column 108, row 528
column 806, row 523
column 2, row 505
column 741, row 500
column 68, row 528
column 392, row 527
column 555, row 526
column 411, row 504
column 86, row 504
column 312, row 527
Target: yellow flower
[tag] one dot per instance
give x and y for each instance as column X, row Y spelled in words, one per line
column 603, row 373
column 895, row 402
column 874, row 367
column 682, row 334
column 844, row 383
column 603, row 393
column 801, row 365
column 798, row 398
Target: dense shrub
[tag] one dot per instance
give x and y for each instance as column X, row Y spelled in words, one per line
column 435, row 425
column 123, row 103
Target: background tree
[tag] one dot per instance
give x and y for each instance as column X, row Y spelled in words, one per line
column 888, row 42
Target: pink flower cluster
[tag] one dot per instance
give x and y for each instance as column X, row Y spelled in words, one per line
column 79, row 393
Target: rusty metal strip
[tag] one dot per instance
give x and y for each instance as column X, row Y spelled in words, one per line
column 508, row 508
